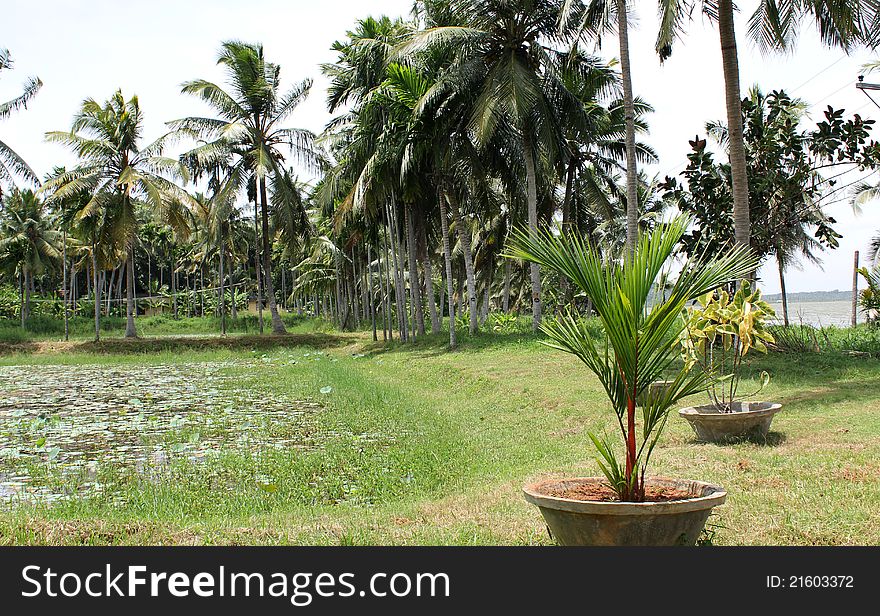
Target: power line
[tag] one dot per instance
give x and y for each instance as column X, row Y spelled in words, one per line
column 819, row 73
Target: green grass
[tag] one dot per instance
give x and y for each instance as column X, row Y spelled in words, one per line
column 455, row 435
column 44, row 329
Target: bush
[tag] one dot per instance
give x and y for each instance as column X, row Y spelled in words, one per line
column 798, row 339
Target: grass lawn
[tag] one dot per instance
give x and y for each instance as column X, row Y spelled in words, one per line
column 327, row 438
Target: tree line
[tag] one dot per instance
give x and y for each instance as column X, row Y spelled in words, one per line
column 451, row 128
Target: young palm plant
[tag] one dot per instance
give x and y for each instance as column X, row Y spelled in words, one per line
column 641, row 331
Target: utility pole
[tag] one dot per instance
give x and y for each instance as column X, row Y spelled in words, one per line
column 855, row 288
column 867, row 87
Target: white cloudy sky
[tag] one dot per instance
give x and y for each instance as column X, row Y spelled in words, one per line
column 88, row 48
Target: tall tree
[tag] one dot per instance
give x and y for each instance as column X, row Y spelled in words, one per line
column 120, row 175
column 774, row 25
column 250, row 125
column 29, row 242
column 511, row 55
column 598, row 17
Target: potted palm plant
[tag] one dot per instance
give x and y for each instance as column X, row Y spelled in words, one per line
column 627, row 506
column 720, row 332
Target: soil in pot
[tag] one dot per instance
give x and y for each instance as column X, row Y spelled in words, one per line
column 581, row 491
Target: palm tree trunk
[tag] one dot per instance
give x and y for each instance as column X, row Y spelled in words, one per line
column 400, row 291
column 355, row 277
column 442, row 297
column 465, row 239
column 447, row 260
column 781, row 264
column 97, row 289
column 386, row 308
column 414, row 286
column 175, row 307
column 736, row 147
column 505, row 298
column 21, row 297
column 233, row 309
column 110, row 291
column 74, row 291
column 26, row 304
column 277, row 323
column 532, row 201
column 564, row 283
column 428, row 269
column 222, row 285
column 283, row 287
column 257, row 268
column 201, row 289
column 130, row 331
column 632, row 191
column 370, row 294
column 65, row 293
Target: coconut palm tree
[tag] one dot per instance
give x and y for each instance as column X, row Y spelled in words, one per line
column 249, row 126
column 598, row 17
column 120, row 175
column 773, row 26
column 510, row 56
column 11, row 164
column 29, row 243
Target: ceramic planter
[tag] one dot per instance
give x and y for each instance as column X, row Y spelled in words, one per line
column 747, row 419
column 656, row 388
column 607, row 523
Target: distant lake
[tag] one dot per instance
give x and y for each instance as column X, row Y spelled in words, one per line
column 837, row 313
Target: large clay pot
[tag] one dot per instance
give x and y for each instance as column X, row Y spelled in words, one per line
column 576, row 522
column 746, row 419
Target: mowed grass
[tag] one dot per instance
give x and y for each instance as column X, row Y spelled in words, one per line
column 423, row 446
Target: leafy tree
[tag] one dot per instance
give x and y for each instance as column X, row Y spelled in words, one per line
column 774, row 25
column 793, row 173
column 598, row 17
column 507, row 60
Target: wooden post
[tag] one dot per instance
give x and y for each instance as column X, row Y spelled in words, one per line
column 855, row 288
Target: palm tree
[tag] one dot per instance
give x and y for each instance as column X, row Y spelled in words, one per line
column 641, row 338
column 509, row 65
column 64, row 211
column 249, row 127
column 371, row 143
column 120, row 175
column 598, row 17
column 28, row 242
column 773, row 26
column 11, row 164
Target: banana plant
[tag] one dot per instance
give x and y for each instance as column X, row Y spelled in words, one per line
column 641, row 336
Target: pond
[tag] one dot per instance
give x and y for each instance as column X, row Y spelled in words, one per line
column 68, row 422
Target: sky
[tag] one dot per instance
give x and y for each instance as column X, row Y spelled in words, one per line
column 90, row 48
